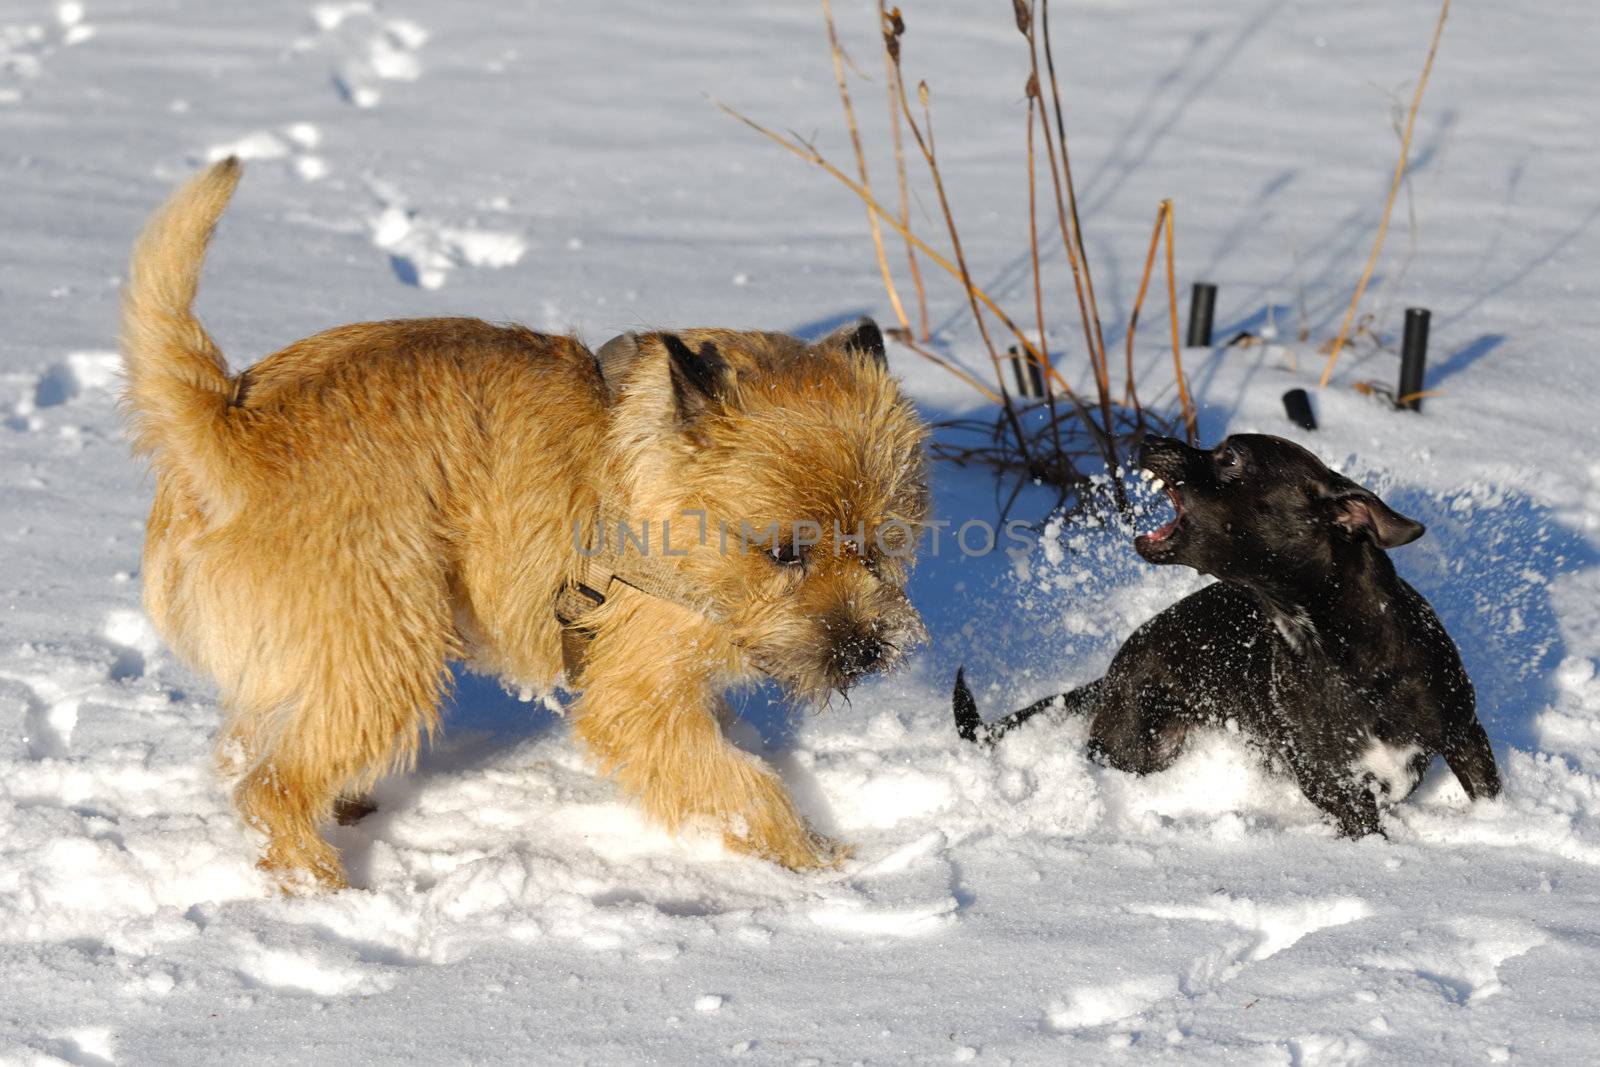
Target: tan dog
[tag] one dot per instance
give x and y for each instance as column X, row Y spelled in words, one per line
column 334, row 525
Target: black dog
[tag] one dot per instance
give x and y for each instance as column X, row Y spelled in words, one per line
column 1309, row 641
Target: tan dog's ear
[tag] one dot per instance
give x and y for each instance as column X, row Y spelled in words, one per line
column 614, row 358
column 699, row 379
column 862, row 337
column 1360, row 511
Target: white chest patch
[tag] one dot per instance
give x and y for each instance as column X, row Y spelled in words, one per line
column 1296, row 629
column 1388, row 767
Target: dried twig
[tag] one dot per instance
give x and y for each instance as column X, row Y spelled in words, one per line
column 1394, row 189
column 925, row 142
column 861, row 162
column 1130, row 390
column 1041, row 443
column 1061, row 218
column 958, row 371
column 1099, row 346
column 806, row 151
column 1187, row 405
column 1033, row 225
column 893, row 26
column 1038, row 282
column 1071, row 236
column 1386, row 393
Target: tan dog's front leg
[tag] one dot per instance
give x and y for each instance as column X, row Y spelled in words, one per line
column 660, row 737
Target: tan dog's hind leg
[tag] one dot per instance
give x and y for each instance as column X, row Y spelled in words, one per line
column 286, row 796
column 374, row 672
column 341, row 739
column 652, row 721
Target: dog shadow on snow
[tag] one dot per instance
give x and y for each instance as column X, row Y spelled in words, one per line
column 480, row 722
column 482, row 725
column 1487, row 563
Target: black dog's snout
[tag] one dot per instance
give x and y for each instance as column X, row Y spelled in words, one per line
column 1157, row 451
column 858, row 656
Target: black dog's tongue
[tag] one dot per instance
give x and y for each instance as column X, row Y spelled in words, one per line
column 1160, row 536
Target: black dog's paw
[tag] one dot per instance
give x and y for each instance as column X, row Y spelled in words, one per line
column 1357, row 815
column 1356, row 831
column 969, row 724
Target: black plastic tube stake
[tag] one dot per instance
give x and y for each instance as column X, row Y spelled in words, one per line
column 1297, row 405
column 1413, row 358
column 1202, row 305
column 1030, row 376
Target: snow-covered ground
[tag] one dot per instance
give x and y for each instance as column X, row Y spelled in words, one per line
column 559, row 164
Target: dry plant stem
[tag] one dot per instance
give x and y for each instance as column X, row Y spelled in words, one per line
column 1007, row 440
column 959, row 372
column 1061, row 215
column 1189, row 428
column 808, row 152
column 1033, row 233
column 1077, row 257
column 1394, row 280
column 1002, row 458
column 811, row 155
column 1130, row 390
column 1388, row 207
column 1072, row 197
column 861, row 163
column 1038, row 285
column 892, row 27
column 929, row 155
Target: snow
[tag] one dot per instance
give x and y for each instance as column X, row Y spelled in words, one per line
column 561, row 166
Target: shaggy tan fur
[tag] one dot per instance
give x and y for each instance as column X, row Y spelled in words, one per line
column 334, row 525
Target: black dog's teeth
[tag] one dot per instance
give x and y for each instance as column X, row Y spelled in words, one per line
column 1164, row 531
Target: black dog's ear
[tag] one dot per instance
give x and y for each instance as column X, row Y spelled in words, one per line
column 699, row 379
column 862, row 337
column 1360, row 511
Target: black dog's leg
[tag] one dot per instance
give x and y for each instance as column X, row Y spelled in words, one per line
column 1141, row 735
column 1467, row 752
column 1349, row 801
column 970, row 724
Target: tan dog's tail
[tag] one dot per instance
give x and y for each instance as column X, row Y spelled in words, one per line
column 178, row 390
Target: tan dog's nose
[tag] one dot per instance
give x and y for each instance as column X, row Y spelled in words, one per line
column 856, row 657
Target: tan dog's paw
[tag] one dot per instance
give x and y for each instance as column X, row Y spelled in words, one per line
column 775, row 831
column 810, row 851
column 299, row 872
column 830, row 852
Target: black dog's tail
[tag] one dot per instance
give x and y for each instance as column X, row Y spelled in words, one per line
column 971, row 727
column 969, row 724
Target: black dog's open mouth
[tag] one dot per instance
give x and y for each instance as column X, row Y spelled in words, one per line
column 1160, row 543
